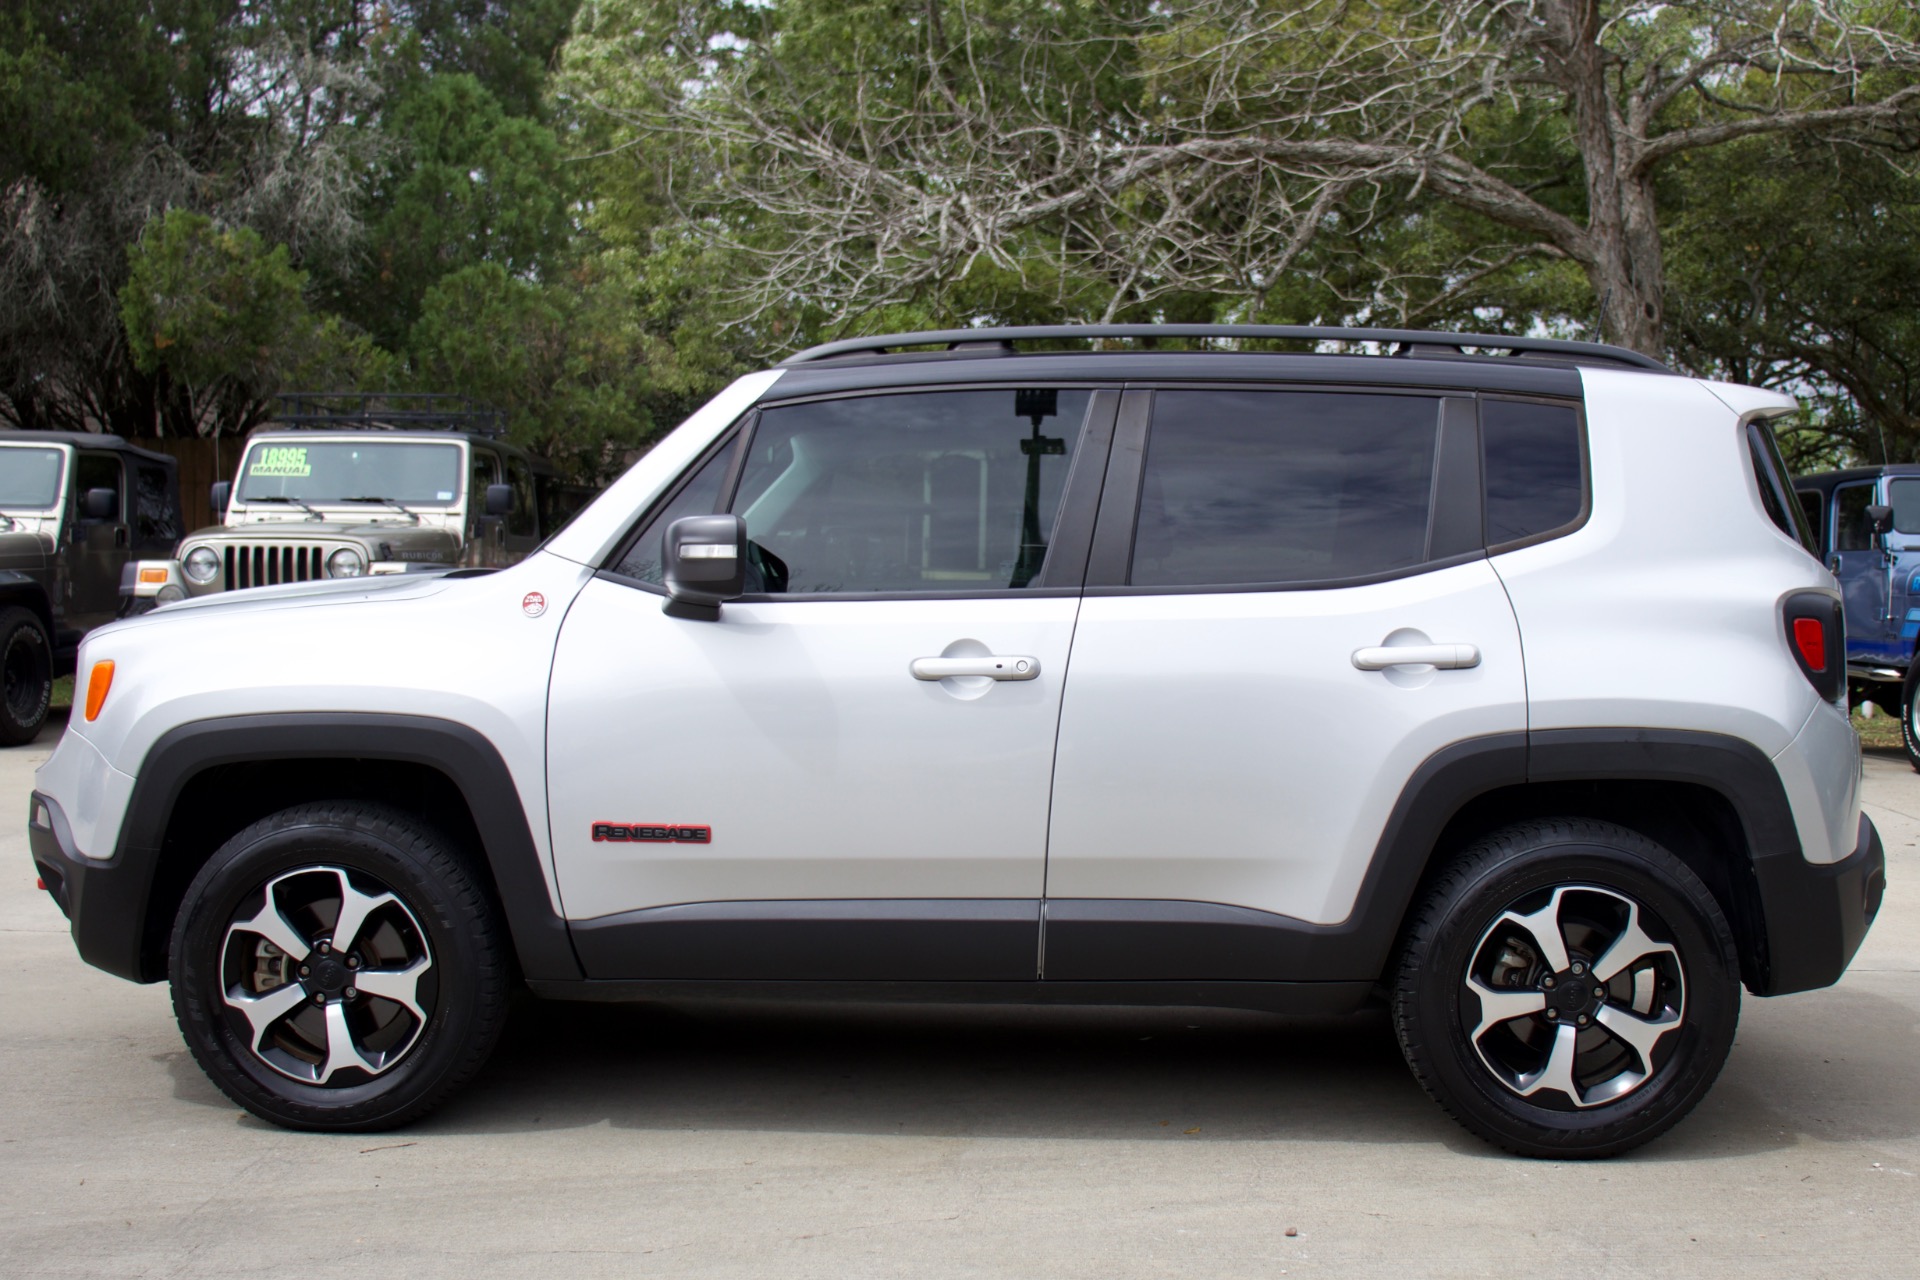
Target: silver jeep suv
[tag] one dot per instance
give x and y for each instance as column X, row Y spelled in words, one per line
column 1491, row 679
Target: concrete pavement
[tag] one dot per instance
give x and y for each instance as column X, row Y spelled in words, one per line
column 768, row 1142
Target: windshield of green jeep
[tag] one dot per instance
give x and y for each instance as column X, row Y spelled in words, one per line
column 351, row 470
column 29, row 478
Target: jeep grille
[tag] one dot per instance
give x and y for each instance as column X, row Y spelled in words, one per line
column 266, row 566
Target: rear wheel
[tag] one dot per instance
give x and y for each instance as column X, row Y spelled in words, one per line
column 335, row 966
column 1569, row 989
column 26, row 675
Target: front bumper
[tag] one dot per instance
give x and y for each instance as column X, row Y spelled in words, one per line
column 1818, row 914
column 104, row 902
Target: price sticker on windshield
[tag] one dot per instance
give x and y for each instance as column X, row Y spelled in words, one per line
column 280, row 460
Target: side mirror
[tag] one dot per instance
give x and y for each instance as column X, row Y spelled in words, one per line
column 100, row 504
column 1881, row 518
column 221, row 496
column 499, row 499
column 705, row 561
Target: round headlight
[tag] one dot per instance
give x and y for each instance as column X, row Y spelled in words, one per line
column 345, row 563
column 169, row 594
column 201, row 564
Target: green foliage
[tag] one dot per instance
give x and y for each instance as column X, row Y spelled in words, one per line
column 559, row 358
column 465, row 183
column 220, row 316
column 206, row 303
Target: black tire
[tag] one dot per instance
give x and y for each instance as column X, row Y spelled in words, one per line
column 411, row 1046
column 26, row 675
column 1590, row 879
column 1909, row 709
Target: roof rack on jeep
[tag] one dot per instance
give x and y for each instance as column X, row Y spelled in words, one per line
column 387, row 411
column 1416, row 343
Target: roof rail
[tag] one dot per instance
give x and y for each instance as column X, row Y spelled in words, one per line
column 387, row 411
column 1408, row 342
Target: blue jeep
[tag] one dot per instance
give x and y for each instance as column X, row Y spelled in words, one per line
column 1866, row 525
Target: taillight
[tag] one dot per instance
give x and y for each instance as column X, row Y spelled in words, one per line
column 1817, row 636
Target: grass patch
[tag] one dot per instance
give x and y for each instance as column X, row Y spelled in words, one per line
column 1881, row 731
column 63, row 693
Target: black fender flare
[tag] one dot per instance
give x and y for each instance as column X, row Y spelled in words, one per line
column 111, row 936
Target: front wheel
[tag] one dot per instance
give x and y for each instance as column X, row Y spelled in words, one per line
column 26, row 675
column 1569, row 989
column 336, row 967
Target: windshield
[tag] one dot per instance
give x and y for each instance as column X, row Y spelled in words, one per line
column 351, row 470
column 29, row 478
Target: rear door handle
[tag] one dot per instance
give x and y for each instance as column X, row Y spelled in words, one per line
column 994, row 666
column 1449, row 656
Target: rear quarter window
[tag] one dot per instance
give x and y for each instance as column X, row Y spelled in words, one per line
column 1535, row 460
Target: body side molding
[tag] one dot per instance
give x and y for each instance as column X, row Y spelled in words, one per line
column 824, row 940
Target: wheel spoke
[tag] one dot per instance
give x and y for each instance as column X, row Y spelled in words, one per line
column 1631, row 947
column 1637, row 1033
column 1498, row 1006
column 274, row 927
column 399, row 985
column 342, row 1052
column 263, row 1011
column 1544, row 928
column 1558, row 1071
column 355, row 907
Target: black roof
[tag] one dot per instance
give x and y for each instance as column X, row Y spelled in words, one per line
column 1143, row 369
column 1420, row 344
column 86, row 440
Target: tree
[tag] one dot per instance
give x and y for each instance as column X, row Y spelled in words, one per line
column 559, row 358
column 221, row 318
column 1794, row 264
column 1203, row 148
column 245, row 113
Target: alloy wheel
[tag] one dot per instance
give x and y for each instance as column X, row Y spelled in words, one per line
column 1573, row 997
column 327, row 976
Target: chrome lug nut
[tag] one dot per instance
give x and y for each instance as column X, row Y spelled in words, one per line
column 350, row 993
column 353, row 962
column 1579, row 967
column 1547, row 982
column 325, row 948
column 1553, row 1015
column 1582, row 1019
column 320, row 997
column 304, row 971
column 1599, row 993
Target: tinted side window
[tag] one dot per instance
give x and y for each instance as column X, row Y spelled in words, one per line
column 932, row 491
column 98, row 471
column 1533, row 472
column 1851, row 532
column 1810, row 508
column 700, row 496
column 1243, row 487
column 154, row 512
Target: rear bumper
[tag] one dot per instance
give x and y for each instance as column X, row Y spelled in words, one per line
column 103, row 905
column 1818, row 914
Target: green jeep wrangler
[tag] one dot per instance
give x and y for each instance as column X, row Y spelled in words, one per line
column 76, row 508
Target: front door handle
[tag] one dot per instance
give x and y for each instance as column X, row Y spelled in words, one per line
column 1449, row 656
column 994, row 667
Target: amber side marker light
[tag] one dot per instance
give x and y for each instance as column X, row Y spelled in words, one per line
column 153, row 575
column 98, row 683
